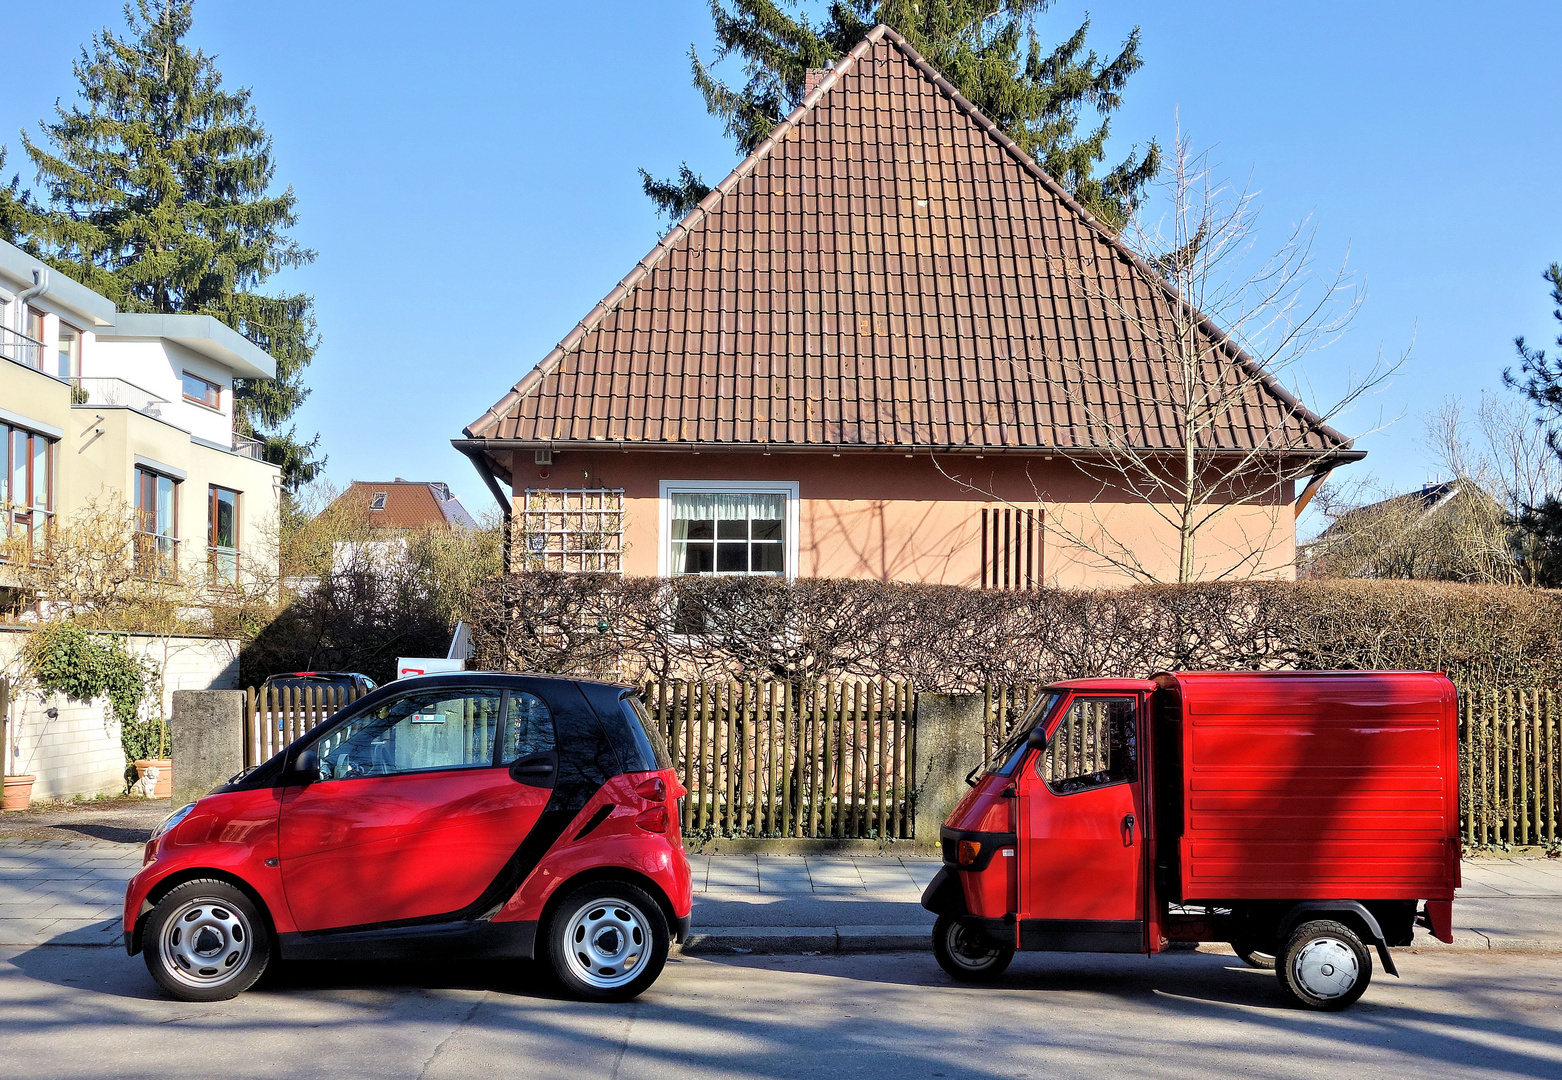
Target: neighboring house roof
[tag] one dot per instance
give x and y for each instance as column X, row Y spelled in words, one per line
column 1419, row 505
column 406, row 504
column 880, row 274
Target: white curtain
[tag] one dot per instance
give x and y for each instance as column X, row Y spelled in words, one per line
column 727, row 506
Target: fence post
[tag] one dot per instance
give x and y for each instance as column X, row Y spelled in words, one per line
column 207, row 740
column 951, row 740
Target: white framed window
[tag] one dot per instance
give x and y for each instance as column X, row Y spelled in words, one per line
column 733, row 527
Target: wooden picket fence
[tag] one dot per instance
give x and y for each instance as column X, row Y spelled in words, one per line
column 824, row 759
column 276, row 715
column 1509, row 746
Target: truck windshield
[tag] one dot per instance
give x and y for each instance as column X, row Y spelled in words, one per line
column 1007, row 757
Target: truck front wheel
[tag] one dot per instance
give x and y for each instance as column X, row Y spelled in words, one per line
column 966, row 952
column 1324, row 965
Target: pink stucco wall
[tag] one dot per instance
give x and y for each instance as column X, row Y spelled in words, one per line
column 903, row 519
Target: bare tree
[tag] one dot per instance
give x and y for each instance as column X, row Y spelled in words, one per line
column 1219, row 325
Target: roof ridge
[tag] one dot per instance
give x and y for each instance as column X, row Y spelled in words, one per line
column 664, row 246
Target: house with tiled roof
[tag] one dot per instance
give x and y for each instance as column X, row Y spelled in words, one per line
column 858, row 358
column 404, row 505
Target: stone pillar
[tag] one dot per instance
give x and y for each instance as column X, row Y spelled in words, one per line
column 207, row 734
column 949, row 745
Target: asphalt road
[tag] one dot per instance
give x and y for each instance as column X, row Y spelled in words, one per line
column 68, row 1013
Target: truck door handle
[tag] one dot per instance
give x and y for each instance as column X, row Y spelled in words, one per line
column 1128, row 823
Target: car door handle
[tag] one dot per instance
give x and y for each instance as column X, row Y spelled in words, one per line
column 535, row 770
column 1128, row 824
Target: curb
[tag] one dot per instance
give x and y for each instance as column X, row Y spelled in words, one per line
column 765, row 940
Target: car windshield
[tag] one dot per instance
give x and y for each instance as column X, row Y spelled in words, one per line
column 1009, row 752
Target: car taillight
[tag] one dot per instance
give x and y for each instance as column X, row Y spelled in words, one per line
column 969, row 850
column 653, row 820
column 653, row 790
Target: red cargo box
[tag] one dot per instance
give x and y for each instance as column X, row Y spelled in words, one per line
column 1300, row 785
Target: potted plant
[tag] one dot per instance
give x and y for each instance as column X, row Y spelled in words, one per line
column 15, row 791
column 154, row 768
column 18, row 792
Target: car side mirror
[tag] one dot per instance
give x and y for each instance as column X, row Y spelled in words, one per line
column 1037, row 738
column 306, row 767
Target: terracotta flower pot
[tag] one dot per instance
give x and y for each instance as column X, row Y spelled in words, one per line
column 163, row 786
column 18, row 792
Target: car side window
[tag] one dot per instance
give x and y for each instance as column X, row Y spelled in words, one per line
column 528, row 728
column 417, row 732
column 1096, row 743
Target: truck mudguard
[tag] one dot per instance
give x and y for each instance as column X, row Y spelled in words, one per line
column 1298, row 914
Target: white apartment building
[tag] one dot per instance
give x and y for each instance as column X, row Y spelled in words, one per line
column 94, row 400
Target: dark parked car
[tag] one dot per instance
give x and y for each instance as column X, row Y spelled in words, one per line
column 464, row 814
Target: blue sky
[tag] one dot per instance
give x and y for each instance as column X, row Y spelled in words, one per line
column 468, row 177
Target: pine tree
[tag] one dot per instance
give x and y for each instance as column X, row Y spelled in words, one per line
column 157, row 193
column 988, row 49
column 1540, row 526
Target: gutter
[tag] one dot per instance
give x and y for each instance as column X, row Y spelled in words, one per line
column 474, row 451
column 39, row 286
column 1331, row 457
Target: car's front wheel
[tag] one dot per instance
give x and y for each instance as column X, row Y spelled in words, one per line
column 965, row 951
column 205, row 941
column 608, row 941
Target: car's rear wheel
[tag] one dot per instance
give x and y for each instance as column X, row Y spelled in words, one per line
column 607, row 941
column 206, row 941
column 965, row 951
column 1324, row 965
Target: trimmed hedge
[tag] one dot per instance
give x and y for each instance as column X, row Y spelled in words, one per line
column 948, row 638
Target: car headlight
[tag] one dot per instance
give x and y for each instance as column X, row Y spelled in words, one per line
column 173, row 819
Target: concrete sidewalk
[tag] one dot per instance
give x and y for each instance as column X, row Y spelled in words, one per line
column 68, row 892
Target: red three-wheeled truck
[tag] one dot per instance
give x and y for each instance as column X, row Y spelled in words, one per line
column 1307, row 818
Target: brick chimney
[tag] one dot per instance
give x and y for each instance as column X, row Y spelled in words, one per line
column 814, row 77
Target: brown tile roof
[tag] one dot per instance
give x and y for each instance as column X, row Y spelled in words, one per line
column 880, row 273
column 406, row 504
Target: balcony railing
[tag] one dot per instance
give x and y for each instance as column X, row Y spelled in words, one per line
column 248, row 447
column 157, row 557
column 21, row 348
column 98, row 391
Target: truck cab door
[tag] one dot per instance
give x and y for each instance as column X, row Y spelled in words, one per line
column 1080, row 835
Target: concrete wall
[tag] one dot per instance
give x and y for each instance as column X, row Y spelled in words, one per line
column 78, row 751
column 893, row 518
column 107, row 443
column 157, row 366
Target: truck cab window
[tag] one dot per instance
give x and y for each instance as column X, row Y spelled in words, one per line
column 1095, row 744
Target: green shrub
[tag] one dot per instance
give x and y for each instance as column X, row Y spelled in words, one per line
column 67, row 659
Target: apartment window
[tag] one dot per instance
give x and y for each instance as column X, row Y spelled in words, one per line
column 157, row 516
column 378, row 502
column 730, row 530
column 68, row 352
column 35, row 332
column 27, row 486
column 1012, row 546
column 222, row 534
column 572, row 529
column 202, row 391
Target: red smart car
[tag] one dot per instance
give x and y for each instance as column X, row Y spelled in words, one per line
column 459, row 815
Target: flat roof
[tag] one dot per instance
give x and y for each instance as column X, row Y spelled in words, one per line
column 203, row 334
column 93, row 308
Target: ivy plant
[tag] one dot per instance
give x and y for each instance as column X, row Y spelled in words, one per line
column 65, row 658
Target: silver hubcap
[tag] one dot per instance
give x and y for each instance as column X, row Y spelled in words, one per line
column 205, row 943
column 1326, row 968
column 970, row 948
column 609, row 942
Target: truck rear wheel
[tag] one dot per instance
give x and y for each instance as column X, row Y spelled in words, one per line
column 1324, row 965
column 965, row 951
